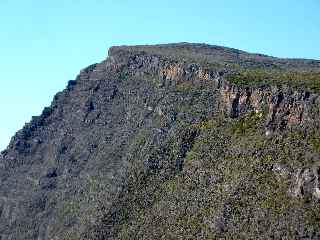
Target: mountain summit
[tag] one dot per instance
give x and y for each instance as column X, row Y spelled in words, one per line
column 175, row 141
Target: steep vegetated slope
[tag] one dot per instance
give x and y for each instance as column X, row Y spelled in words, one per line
column 179, row 141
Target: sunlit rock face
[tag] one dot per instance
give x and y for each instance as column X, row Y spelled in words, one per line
column 178, row 141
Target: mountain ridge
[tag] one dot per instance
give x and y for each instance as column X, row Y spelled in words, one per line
column 208, row 50
column 208, row 46
column 159, row 139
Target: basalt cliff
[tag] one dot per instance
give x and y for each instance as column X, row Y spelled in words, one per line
column 176, row 141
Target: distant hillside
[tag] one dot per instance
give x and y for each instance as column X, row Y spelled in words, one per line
column 176, row 141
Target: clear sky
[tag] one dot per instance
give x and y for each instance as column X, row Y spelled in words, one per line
column 44, row 43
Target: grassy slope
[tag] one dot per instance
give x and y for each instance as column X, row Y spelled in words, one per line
column 256, row 77
column 229, row 189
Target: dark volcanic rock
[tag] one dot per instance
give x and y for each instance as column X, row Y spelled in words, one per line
column 156, row 143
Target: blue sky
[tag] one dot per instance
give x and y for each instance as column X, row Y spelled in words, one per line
column 43, row 44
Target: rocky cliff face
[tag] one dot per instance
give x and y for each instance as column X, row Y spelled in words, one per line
column 161, row 142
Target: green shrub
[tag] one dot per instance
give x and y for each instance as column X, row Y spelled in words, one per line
column 256, row 77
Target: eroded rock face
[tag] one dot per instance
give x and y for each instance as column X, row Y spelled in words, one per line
column 105, row 155
column 284, row 106
column 306, row 183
